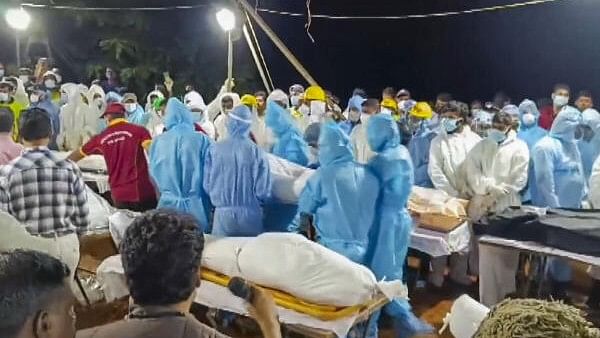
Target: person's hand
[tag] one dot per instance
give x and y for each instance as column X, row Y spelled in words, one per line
column 227, row 82
column 499, row 190
column 263, row 310
column 169, row 84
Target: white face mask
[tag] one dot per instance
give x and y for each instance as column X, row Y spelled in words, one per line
column 354, row 115
column 295, row 100
column 34, row 98
column 130, row 107
column 4, row 97
column 24, row 78
column 528, row 119
column 50, row 84
column 560, row 100
column 317, row 108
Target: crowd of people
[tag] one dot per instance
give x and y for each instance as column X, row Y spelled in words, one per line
column 212, row 162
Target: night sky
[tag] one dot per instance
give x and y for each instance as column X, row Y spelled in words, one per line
column 521, row 51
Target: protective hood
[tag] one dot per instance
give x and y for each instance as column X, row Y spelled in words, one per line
column 279, row 119
column 193, row 100
column 280, row 96
column 528, row 106
column 512, row 110
column 565, row 124
column 234, row 96
column 355, row 102
column 382, row 133
column 156, row 93
column 591, row 118
column 334, row 145
column 239, row 121
column 177, row 114
column 95, row 90
column 72, row 91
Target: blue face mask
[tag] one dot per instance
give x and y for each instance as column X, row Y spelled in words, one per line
column 449, row 125
column 496, row 135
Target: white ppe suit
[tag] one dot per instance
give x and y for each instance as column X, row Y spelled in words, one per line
column 446, row 170
column 499, row 172
column 221, row 120
column 360, row 144
column 73, row 132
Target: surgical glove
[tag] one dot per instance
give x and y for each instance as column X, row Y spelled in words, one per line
column 498, row 190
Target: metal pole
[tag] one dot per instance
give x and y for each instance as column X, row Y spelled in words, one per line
column 229, row 61
column 286, row 52
column 256, row 60
column 18, row 48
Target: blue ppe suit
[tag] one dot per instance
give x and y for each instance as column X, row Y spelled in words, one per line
column 418, row 147
column 290, row 144
column 590, row 148
column 46, row 104
column 559, row 174
column 531, row 135
column 341, row 195
column 390, row 237
column 238, row 179
column 139, row 117
column 177, row 165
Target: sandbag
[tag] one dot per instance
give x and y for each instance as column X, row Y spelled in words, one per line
column 221, row 254
column 288, row 179
column 307, row 270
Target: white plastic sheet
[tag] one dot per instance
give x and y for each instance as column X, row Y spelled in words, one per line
column 306, row 270
column 465, row 317
column 436, row 244
column 100, row 211
column 111, row 276
column 118, row 224
column 289, row 179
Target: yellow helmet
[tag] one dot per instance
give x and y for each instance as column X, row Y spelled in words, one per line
column 422, row 110
column 314, row 93
column 390, row 104
column 249, row 100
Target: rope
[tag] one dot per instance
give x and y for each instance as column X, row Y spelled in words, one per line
column 408, row 16
column 309, row 22
column 260, row 53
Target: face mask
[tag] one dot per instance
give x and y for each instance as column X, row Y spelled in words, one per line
column 227, row 111
column 449, row 125
column 50, row 84
column 496, row 135
column 317, row 108
column 130, row 107
column 24, row 78
column 34, row 98
column 560, row 100
column 4, row 97
column 528, row 119
column 99, row 103
column 353, row 116
column 295, row 100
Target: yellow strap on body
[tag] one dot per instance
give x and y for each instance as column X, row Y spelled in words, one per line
column 287, row 301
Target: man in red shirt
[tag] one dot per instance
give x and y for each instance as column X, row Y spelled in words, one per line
column 560, row 99
column 123, row 144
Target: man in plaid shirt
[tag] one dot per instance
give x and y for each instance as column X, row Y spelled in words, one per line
column 46, row 194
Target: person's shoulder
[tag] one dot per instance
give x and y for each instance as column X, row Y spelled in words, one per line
column 546, row 143
column 196, row 329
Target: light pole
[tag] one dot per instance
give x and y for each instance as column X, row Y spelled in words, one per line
column 226, row 20
column 19, row 20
